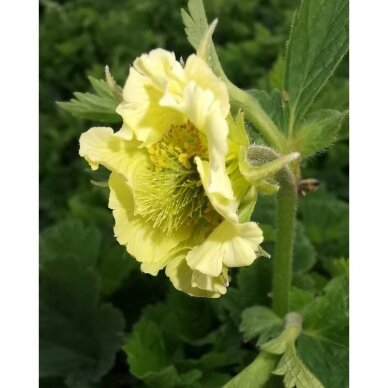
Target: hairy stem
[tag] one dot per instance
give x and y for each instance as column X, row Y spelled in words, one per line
column 285, row 226
column 255, row 374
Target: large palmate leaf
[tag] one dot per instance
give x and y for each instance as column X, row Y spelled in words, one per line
column 79, row 336
column 323, row 344
column 70, row 240
column 318, row 42
column 149, row 360
column 326, row 222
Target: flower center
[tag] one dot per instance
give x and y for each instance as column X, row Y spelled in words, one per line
column 171, row 195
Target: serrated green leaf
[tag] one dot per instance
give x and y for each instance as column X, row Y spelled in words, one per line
column 195, row 22
column 326, row 221
column 79, row 336
column 113, row 267
column 323, row 345
column 100, row 107
column 102, row 88
column 260, row 321
column 70, row 240
column 148, row 360
column 294, row 371
column 196, row 27
column 145, row 349
column 256, row 374
column 318, row 42
column 317, row 132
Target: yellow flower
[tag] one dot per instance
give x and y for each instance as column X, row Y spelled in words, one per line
column 175, row 187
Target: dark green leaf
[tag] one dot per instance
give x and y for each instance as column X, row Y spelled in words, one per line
column 145, row 349
column 323, row 345
column 318, row 42
column 149, row 361
column 326, row 221
column 260, row 321
column 113, row 267
column 252, row 287
column 70, row 240
column 79, row 337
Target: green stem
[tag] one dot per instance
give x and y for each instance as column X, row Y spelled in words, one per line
column 255, row 374
column 285, row 222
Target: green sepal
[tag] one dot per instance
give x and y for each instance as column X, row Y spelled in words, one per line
column 255, row 169
column 267, row 187
column 116, row 90
column 206, row 42
column 247, row 205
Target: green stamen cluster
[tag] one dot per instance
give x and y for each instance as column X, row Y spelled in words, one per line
column 171, row 195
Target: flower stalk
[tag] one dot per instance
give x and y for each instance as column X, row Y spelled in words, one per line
column 285, row 226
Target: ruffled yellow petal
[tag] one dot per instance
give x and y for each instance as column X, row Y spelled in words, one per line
column 218, row 189
column 233, row 245
column 148, row 245
column 162, row 69
column 99, row 145
column 149, row 79
column 209, row 283
column 202, row 109
column 181, row 276
column 197, row 70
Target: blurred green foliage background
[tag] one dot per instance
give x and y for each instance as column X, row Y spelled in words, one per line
column 91, row 291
